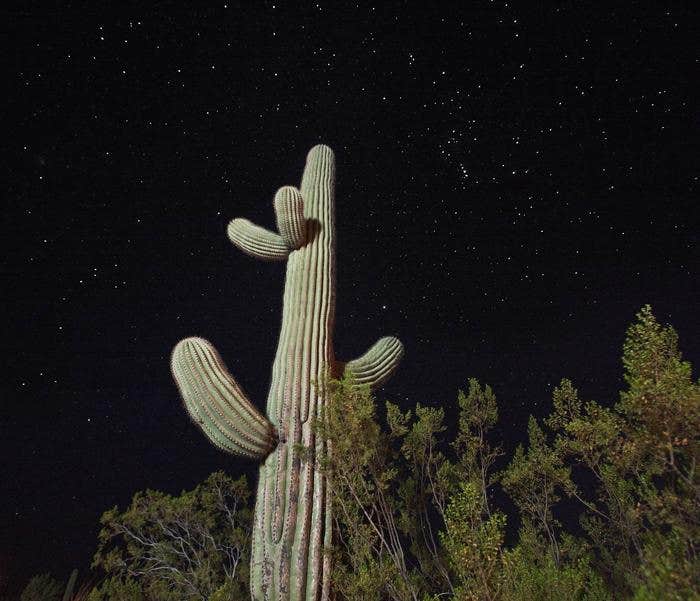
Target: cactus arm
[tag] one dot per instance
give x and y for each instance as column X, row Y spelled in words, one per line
column 289, row 208
column 256, row 241
column 216, row 403
column 377, row 364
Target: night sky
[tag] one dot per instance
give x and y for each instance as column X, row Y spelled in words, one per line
column 513, row 184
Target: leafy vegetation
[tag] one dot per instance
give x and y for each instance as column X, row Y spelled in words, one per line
column 601, row 503
column 416, row 517
column 42, row 587
column 194, row 546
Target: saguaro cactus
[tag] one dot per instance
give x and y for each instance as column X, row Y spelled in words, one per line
column 292, row 524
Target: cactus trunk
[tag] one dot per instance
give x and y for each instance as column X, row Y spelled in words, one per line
column 292, row 525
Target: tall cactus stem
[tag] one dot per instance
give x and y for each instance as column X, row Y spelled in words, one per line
column 292, row 526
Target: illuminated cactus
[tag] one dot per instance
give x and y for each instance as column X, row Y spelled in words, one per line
column 292, row 525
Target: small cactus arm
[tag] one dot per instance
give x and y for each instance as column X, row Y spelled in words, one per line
column 292, row 525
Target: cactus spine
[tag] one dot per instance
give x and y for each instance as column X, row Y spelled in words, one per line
column 292, row 525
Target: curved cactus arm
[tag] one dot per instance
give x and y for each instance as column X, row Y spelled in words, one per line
column 289, row 208
column 378, row 364
column 216, row 403
column 256, row 241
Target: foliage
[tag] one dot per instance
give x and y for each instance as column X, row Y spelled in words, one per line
column 369, row 500
column 391, row 490
column 642, row 454
column 667, row 571
column 117, row 589
column 415, row 516
column 534, row 480
column 474, row 544
column 531, row 572
column 176, row 548
column 42, row 587
column 478, row 414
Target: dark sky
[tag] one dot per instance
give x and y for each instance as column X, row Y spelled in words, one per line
column 514, row 183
